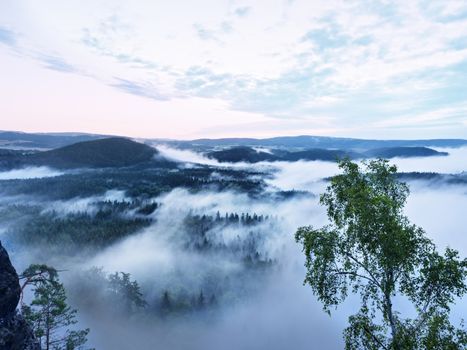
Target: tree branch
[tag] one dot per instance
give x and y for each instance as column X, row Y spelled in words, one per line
column 337, row 272
column 375, row 338
column 359, row 263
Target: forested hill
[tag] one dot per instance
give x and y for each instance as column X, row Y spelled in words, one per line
column 118, row 152
column 254, row 155
column 101, row 153
column 109, row 152
column 242, row 154
column 404, row 152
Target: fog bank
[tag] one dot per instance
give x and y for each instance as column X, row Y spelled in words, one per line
column 29, row 173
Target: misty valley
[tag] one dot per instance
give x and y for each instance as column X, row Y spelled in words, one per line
column 190, row 245
column 233, row 175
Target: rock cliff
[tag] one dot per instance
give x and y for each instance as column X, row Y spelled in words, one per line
column 15, row 333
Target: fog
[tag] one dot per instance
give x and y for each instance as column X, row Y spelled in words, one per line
column 257, row 309
column 441, row 212
column 278, row 313
column 29, row 173
column 184, row 155
column 86, row 204
column 455, row 162
column 159, row 243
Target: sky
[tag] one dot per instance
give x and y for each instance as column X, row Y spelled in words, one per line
column 232, row 68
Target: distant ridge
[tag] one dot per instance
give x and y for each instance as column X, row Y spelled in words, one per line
column 242, row 154
column 404, row 152
column 307, row 142
column 21, row 140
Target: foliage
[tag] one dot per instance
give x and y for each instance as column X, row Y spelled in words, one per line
column 166, row 303
column 200, row 235
column 95, row 288
column 106, row 152
column 370, row 248
column 126, row 291
column 76, row 230
column 49, row 315
column 106, row 222
column 101, row 292
column 38, row 273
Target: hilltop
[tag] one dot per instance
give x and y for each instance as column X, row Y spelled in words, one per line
column 102, row 153
column 242, row 154
column 254, row 155
column 404, row 152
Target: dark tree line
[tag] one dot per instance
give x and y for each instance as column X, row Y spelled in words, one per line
column 247, row 248
column 76, row 230
column 172, row 304
column 136, row 182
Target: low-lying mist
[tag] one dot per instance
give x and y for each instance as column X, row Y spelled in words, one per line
column 29, row 173
column 236, row 250
column 269, row 309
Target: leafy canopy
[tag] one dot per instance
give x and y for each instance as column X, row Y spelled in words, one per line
column 370, row 248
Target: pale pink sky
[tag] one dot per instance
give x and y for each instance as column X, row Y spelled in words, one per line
column 226, row 68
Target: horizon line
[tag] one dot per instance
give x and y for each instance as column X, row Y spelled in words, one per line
column 71, row 133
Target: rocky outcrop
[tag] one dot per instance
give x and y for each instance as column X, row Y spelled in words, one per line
column 10, row 289
column 15, row 333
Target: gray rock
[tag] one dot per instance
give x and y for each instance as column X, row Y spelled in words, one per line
column 10, row 289
column 15, row 333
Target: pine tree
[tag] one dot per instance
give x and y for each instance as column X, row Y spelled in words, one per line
column 201, row 300
column 213, row 300
column 166, row 303
column 49, row 315
column 126, row 291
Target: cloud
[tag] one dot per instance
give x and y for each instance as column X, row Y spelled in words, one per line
column 451, row 11
column 57, row 63
column 102, row 40
column 142, row 89
column 382, row 61
column 215, row 34
column 29, row 173
column 325, row 38
column 185, row 156
column 242, row 11
column 7, row 37
column 204, row 33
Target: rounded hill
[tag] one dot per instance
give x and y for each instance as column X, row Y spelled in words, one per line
column 101, row 153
